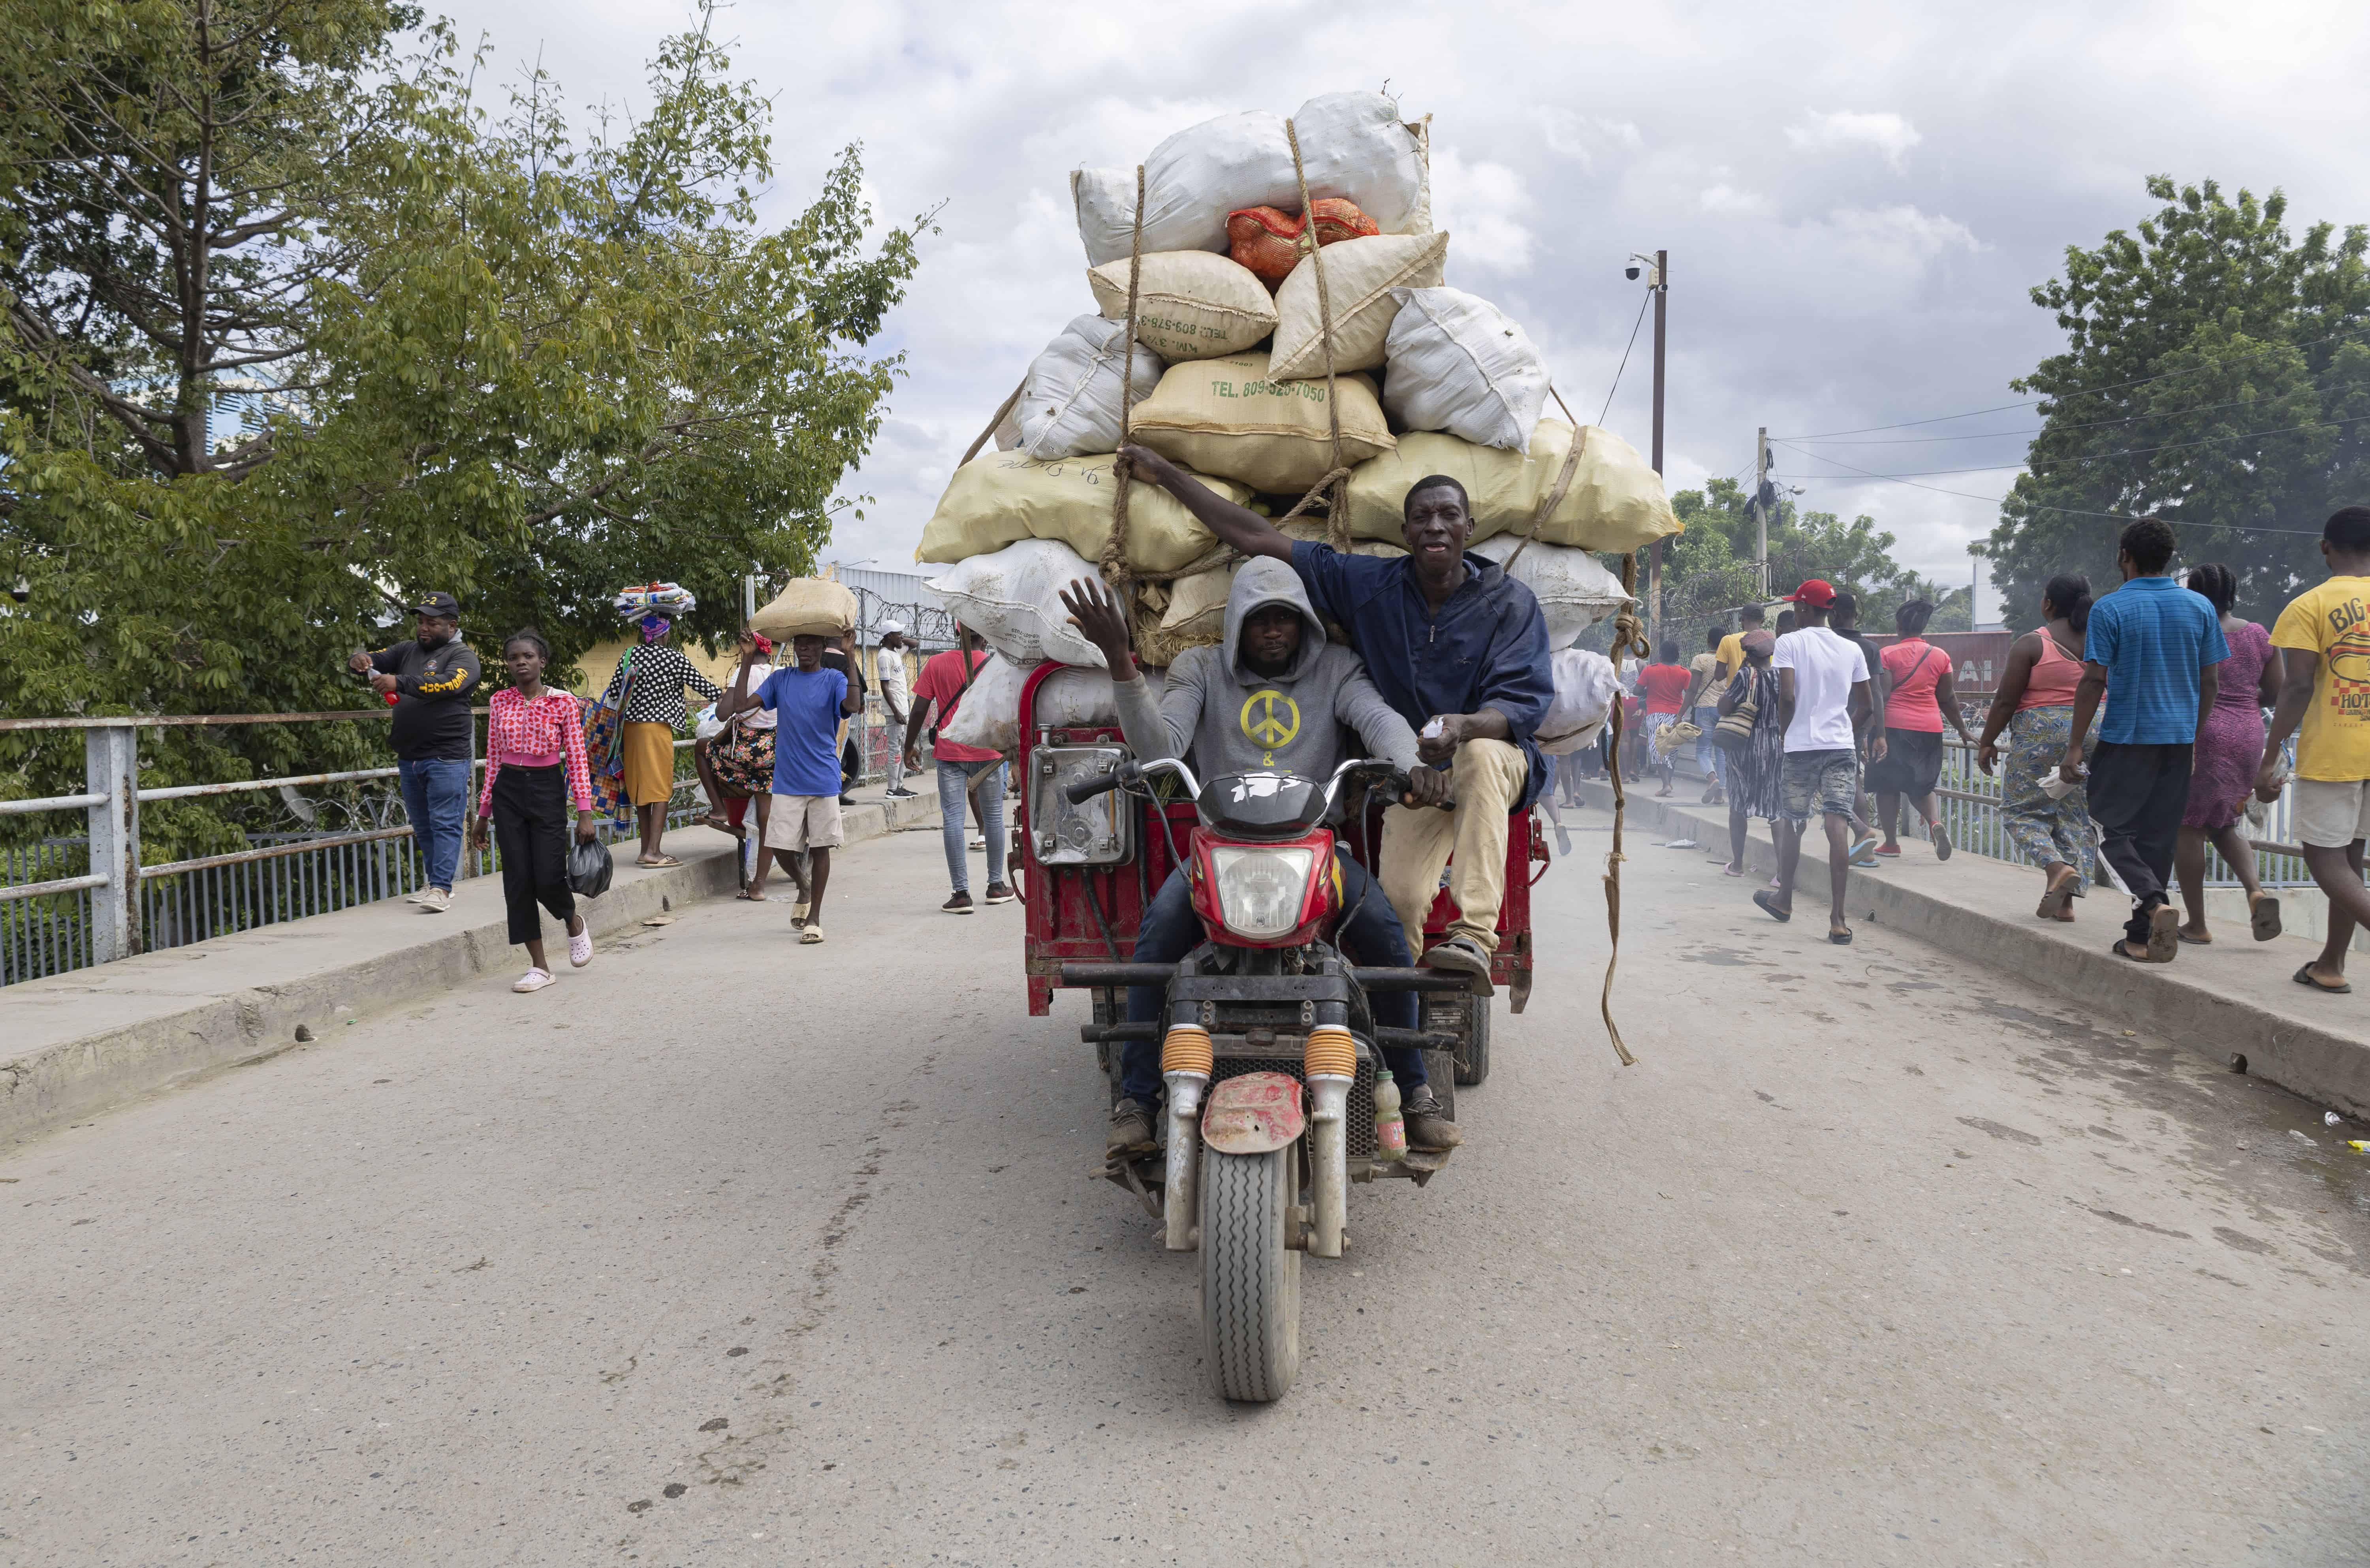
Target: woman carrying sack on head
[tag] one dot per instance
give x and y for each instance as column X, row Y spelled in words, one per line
column 535, row 770
column 649, row 687
column 1754, row 742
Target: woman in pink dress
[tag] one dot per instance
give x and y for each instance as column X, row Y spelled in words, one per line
column 2222, row 770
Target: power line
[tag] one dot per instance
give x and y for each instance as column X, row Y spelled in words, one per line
column 1624, row 358
column 2085, row 391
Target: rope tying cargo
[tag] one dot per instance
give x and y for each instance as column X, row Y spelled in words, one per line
column 1114, row 561
column 1628, row 637
column 994, row 420
column 1554, row 497
column 1337, row 529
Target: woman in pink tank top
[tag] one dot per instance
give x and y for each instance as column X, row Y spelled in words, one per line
column 2035, row 706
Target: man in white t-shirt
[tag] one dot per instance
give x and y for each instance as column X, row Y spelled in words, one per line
column 1823, row 698
column 896, row 695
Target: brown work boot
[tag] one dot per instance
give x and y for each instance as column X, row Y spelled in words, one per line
column 1428, row 1126
column 1130, row 1130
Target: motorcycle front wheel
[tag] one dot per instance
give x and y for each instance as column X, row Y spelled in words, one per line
column 1250, row 1279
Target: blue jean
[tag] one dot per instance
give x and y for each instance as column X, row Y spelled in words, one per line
column 954, row 779
column 436, row 799
column 1709, row 760
column 1170, row 929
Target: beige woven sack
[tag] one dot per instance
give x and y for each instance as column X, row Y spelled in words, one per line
column 807, row 606
column 1359, row 277
column 1615, row 502
column 1227, row 416
column 1000, row 498
column 1196, row 616
column 1190, row 304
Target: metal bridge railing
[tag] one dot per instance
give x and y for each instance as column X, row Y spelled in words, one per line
column 68, row 901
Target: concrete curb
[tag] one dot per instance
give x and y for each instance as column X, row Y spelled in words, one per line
column 2326, row 1060
column 81, row 1042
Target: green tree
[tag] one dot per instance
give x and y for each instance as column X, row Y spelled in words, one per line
column 1709, row 569
column 2217, row 373
column 297, row 328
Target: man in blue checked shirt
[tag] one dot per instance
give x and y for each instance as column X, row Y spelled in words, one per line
column 2155, row 647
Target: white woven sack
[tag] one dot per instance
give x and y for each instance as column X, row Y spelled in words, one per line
column 1573, row 588
column 1190, row 304
column 1069, row 402
column 1459, row 365
column 1362, row 277
column 1585, row 690
column 988, row 715
column 1352, row 144
column 1011, row 598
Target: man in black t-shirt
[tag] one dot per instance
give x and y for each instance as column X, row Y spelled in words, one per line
column 432, row 678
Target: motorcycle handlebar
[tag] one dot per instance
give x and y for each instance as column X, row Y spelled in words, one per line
column 1087, row 789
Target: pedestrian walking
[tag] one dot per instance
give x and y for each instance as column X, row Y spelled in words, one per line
column 535, row 770
column 1663, row 687
column 1823, row 695
column 647, row 690
column 944, row 680
column 1920, row 698
column 1749, row 619
column 2323, row 636
column 737, row 766
column 896, row 697
column 432, row 678
column 807, row 702
column 1754, row 745
column 2222, row 771
column 2047, row 819
column 1703, row 705
column 2159, row 648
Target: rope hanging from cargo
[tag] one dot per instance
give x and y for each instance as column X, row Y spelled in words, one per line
column 1337, row 526
column 1114, row 561
column 1628, row 637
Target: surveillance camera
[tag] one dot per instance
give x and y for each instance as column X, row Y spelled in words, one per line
column 1630, row 273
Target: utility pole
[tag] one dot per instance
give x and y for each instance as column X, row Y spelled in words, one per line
column 1654, row 561
column 1760, row 509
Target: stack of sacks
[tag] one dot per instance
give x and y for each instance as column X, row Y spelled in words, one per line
column 1229, row 380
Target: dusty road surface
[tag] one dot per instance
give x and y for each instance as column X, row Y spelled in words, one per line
column 727, row 1250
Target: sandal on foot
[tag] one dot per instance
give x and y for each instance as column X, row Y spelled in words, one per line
column 2201, row 939
column 1768, row 905
column 2304, row 977
column 2120, row 951
column 811, row 933
column 2265, row 914
column 2164, row 934
column 1842, row 937
column 1941, row 837
column 2060, row 893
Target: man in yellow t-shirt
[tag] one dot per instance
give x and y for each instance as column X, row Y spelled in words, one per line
column 2324, row 641
column 1732, row 647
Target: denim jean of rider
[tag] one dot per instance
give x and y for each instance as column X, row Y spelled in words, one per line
column 436, row 799
column 954, row 777
column 1372, row 935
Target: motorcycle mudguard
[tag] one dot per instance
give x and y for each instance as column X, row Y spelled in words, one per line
column 1253, row 1114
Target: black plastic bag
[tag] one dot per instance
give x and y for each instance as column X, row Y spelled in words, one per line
column 589, row 868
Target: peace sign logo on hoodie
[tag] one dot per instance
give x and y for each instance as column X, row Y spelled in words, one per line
column 1270, row 720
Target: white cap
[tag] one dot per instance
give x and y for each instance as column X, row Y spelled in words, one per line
column 887, row 627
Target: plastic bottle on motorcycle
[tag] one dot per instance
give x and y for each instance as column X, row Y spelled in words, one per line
column 1390, row 1127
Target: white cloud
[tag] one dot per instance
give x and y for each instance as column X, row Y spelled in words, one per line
column 1728, row 201
column 1581, row 138
column 1900, row 237
column 1485, row 207
column 1845, row 129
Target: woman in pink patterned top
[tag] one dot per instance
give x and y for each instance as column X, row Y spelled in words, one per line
column 535, row 767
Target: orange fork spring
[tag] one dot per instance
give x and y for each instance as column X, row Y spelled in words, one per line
column 1330, row 1050
column 1187, row 1050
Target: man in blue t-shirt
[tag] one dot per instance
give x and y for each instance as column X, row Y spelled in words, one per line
column 2152, row 647
column 808, row 700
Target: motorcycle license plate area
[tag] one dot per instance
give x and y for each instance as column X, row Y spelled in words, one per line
column 1098, row 831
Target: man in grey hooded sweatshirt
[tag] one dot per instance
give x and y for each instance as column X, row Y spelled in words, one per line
column 1274, row 694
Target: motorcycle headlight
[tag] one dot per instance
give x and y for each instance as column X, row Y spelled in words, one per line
column 1261, row 891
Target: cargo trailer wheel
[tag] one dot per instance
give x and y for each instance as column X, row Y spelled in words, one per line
column 1473, row 1051
column 1250, row 1278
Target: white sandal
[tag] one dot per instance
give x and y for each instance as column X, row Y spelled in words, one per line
column 579, row 947
column 532, row 980
column 809, row 933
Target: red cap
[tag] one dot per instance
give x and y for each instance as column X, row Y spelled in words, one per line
column 1816, row 593
column 765, row 644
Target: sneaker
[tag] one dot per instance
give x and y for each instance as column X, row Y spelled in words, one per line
column 978, row 843
column 1464, row 955
column 437, row 899
column 1132, row 1130
column 959, row 905
column 900, row 793
column 579, row 947
column 998, row 894
column 1428, row 1126
column 532, row 980
column 1941, row 838
column 848, row 800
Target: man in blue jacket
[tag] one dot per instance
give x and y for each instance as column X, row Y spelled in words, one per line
column 1460, row 650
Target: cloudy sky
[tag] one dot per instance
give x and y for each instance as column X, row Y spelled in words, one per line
column 1856, row 197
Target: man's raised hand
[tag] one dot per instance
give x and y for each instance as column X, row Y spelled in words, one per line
column 1095, row 613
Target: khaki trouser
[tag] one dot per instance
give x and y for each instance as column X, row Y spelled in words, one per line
column 1487, row 778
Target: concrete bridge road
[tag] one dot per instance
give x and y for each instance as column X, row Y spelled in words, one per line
column 727, row 1250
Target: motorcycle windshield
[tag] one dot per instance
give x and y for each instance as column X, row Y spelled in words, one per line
column 1261, row 805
